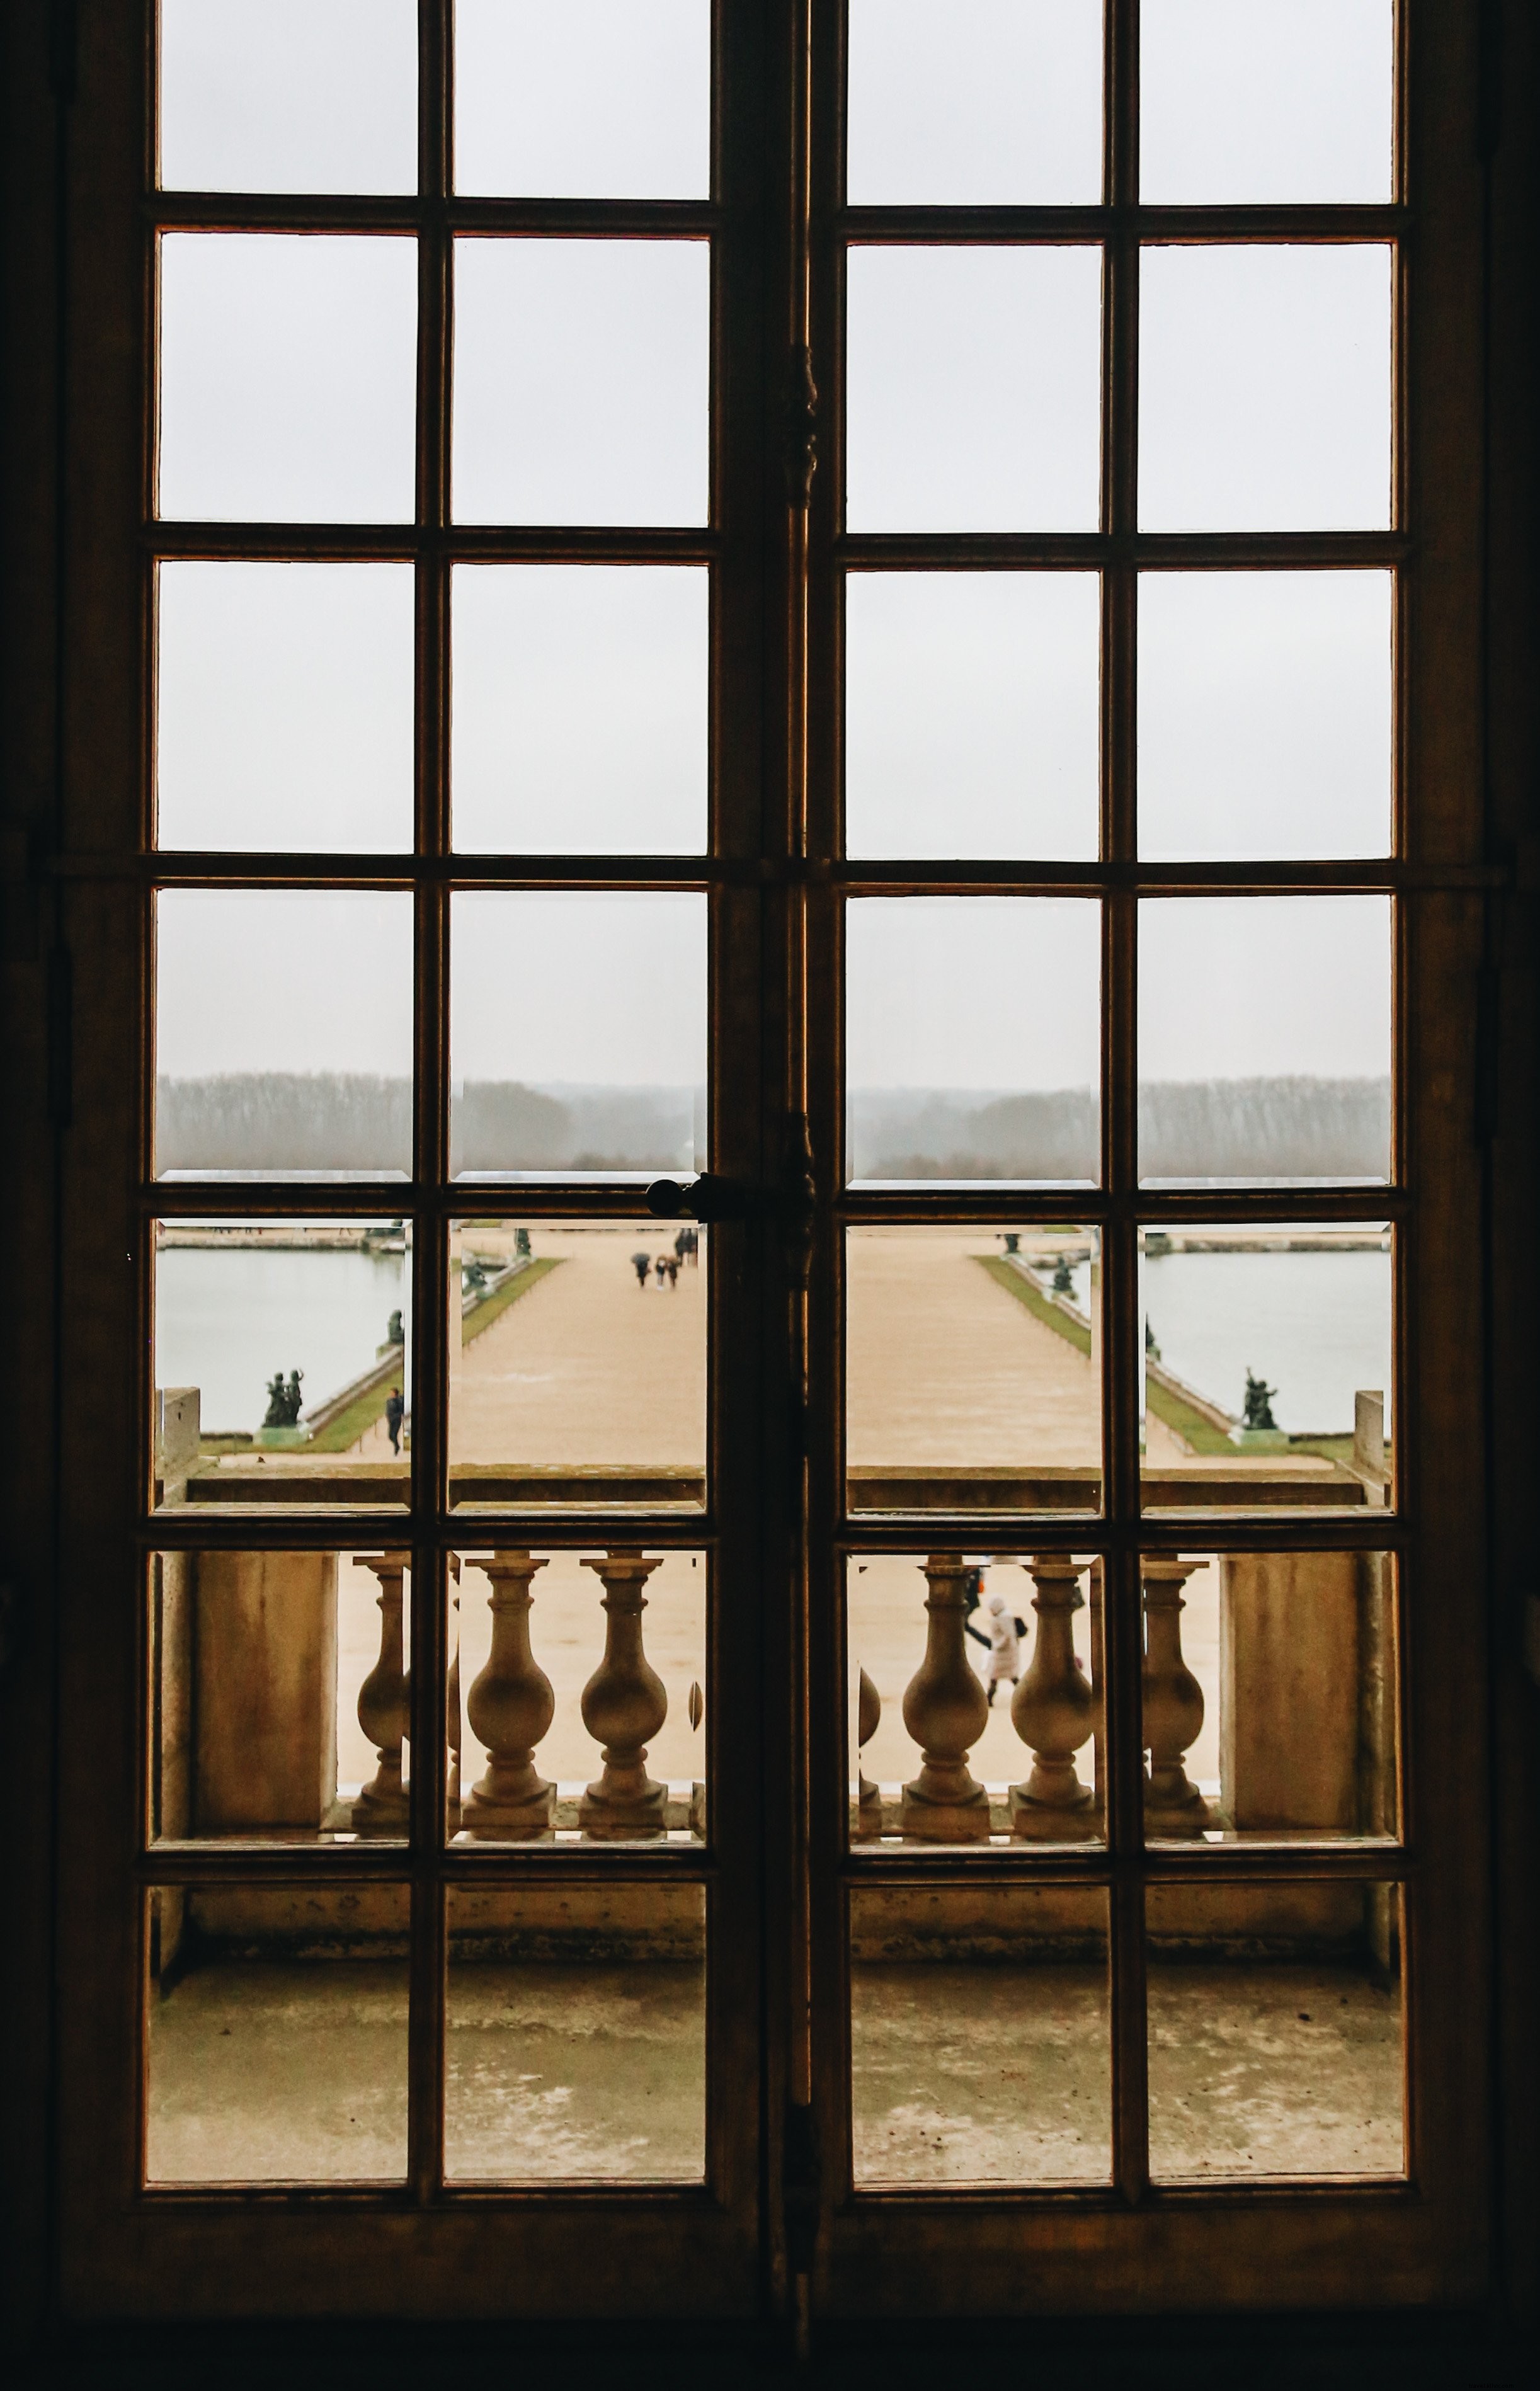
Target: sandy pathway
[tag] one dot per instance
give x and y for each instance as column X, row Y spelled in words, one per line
column 586, row 1368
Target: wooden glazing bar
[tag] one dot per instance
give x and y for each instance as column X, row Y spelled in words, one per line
column 1325, row 1529
column 181, row 1200
column 1019, row 876
column 1004, row 551
column 390, row 214
column 210, row 868
column 431, row 1095
column 1045, row 226
column 400, row 543
column 1255, row 1862
column 1002, row 876
column 215, row 1527
column 339, row 1865
column 1121, row 1581
column 1154, row 1207
column 1285, row 1527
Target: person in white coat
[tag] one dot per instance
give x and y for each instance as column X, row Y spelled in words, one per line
column 1004, row 1644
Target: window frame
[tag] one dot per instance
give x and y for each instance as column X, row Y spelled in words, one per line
column 885, row 2254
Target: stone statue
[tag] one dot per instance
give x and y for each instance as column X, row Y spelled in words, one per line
column 395, row 1333
column 1258, row 1402
column 1063, row 1277
column 283, row 1402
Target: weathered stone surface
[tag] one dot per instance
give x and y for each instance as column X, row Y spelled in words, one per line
column 1289, row 1690
column 265, row 1672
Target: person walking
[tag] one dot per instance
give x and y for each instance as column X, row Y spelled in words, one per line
column 662, row 1269
column 671, row 1265
column 395, row 1412
column 1005, row 1633
column 643, row 1265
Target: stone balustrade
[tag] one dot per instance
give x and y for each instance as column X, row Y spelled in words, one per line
column 1053, row 1710
column 945, row 1711
column 385, row 1705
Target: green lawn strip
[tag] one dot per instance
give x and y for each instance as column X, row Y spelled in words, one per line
column 369, row 1403
column 1040, row 1306
column 1189, row 1425
column 495, row 1304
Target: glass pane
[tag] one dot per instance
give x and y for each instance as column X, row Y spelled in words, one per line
column 281, row 1690
column 283, row 1034
column 580, row 708
column 277, row 2035
column 581, row 1680
column 1267, row 1363
column 566, row 1387
column 1264, row 715
column 973, row 1039
column 980, row 2034
column 598, row 99
column 1277, row 100
column 576, row 2033
column 973, row 1369
column 1264, row 1039
column 1264, row 389
column 1276, row 2030
column 284, row 707
column 972, row 715
column 288, row 378
column 279, row 1349
column 578, row 1035
column 974, row 389
column 984, row 101
column 974, row 1699
column 582, row 377
column 288, row 96
column 1270, row 1698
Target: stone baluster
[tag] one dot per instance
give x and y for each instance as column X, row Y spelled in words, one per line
column 1053, row 1710
column 451, row 1705
column 385, row 1705
column 945, row 1711
column 867, row 1823
column 509, row 1707
column 624, row 1704
column 1174, row 1704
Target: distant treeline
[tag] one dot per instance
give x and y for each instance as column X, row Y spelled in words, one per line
column 1212, row 1129
column 328, row 1121
column 1218, row 1128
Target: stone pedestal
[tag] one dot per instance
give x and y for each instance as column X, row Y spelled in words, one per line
column 265, row 1679
column 945, row 1710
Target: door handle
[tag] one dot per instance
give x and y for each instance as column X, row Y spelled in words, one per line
column 708, row 1196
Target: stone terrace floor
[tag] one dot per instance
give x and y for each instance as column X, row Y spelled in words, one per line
column 280, row 2070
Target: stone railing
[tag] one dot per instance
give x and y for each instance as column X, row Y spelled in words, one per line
column 248, row 1704
column 1305, row 1700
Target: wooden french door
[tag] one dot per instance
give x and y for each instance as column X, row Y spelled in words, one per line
column 773, row 901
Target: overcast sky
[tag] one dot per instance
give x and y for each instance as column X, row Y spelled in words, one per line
column 580, row 718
